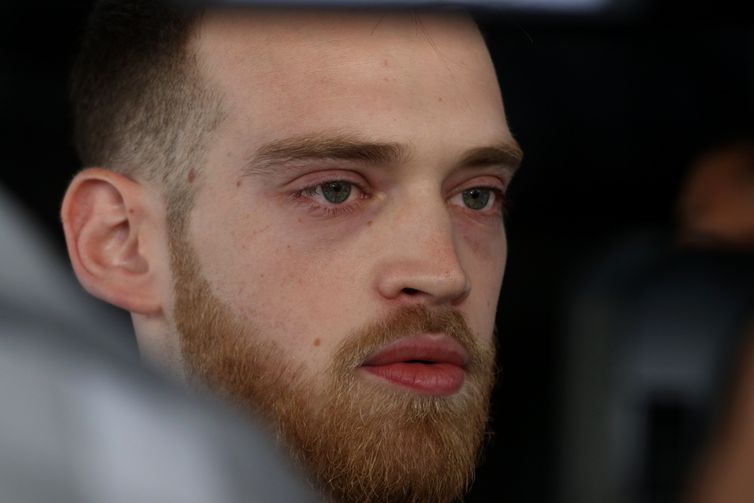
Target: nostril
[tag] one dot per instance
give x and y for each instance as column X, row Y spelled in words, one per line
column 410, row 291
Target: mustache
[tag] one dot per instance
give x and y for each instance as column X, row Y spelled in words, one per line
column 403, row 322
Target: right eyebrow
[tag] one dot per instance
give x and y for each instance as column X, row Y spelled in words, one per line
column 315, row 147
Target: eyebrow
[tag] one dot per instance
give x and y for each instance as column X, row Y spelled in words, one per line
column 340, row 147
column 506, row 153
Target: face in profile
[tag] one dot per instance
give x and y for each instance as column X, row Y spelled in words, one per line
column 339, row 269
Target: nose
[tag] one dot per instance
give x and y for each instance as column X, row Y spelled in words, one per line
column 419, row 260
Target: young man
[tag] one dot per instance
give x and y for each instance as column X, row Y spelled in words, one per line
column 302, row 211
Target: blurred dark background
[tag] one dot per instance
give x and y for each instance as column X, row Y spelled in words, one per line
column 610, row 109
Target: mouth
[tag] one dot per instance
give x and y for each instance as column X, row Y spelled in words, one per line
column 429, row 364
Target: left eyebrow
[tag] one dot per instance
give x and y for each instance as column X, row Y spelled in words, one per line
column 345, row 148
column 507, row 154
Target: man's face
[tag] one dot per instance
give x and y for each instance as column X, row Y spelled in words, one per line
column 340, row 268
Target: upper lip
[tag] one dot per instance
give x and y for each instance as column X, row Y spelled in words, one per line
column 430, row 348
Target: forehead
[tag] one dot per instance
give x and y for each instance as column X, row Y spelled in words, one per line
column 392, row 73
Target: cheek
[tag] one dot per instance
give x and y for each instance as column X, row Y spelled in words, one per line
column 294, row 291
column 287, row 279
column 484, row 258
column 487, row 242
column 485, row 251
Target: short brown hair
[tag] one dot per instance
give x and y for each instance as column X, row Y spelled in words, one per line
column 140, row 106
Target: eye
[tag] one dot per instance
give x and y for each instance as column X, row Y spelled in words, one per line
column 332, row 192
column 477, row 198
column 336, row 192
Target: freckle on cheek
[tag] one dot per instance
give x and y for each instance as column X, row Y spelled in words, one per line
column 317, row 341
column 369, row 223
column 238, row 183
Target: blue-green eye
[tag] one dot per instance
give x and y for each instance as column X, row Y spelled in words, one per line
column 336, row 192
column 477, row 198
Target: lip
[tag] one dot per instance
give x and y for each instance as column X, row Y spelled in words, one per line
column 430, row 364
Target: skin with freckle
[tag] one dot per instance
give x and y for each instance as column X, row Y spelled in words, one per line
column 348, row 200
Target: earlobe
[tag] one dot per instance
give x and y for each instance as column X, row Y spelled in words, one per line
column 106, row 218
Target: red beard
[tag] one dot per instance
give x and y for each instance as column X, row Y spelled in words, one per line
column 359, row 441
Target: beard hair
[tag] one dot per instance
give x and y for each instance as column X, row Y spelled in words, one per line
column 360, row 441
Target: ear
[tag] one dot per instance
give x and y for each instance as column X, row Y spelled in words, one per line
column 109, row 223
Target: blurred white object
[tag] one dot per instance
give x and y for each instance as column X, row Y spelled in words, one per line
column 83, row 421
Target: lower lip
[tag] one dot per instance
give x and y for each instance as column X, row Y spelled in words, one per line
column 435, row 379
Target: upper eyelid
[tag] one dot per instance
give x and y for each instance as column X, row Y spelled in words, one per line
column 476, row 183
column 317, row 185
column 499, row 194
column 320, row 177
column 320, row 184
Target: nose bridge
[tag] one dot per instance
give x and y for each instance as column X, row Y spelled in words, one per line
column 432, row 228
column 425, row 261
